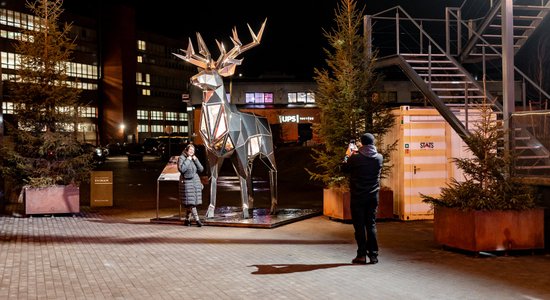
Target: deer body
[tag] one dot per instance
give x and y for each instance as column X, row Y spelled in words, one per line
column 227, row 132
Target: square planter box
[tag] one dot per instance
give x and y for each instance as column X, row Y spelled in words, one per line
column 336, row 204
column 57, row 199
column 489, row 230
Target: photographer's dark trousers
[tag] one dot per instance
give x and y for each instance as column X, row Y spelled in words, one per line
column 363, row 214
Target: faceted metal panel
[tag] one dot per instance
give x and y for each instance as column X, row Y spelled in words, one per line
column 225, row 130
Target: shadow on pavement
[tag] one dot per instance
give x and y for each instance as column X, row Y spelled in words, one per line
column 293, row 268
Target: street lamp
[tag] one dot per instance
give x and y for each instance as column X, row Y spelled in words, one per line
column 122, row 127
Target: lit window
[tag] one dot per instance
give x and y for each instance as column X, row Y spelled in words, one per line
column 268, row 97
column 18, row 20
column 143, row 80
column 292, row 97
column 310, row 97
column 249, row 97
column 171, row 116
column 183, row 129
column 7, row 108
column 156, row 115
column 141, row 45
column 140, row 59
column 143, row 128
column 146, row 92
column 184, row 117
column 302, row 97
column 142, row 115
column 157, row 128
column 259, row 98
column 86, row 127
column 87, row 112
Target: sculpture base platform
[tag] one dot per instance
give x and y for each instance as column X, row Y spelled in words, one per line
column 230, row 216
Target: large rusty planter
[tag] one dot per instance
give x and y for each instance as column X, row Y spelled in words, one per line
column 336, row 204
column 489, row 230
column 385, row 204
column 57, row 199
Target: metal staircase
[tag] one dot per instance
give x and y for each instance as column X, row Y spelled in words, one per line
column 449, row 86
column 485, row 33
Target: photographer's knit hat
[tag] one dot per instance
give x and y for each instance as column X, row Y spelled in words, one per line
column 367, row 139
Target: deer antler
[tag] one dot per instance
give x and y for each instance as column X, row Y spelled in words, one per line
column 229, row 58
column 227, row 61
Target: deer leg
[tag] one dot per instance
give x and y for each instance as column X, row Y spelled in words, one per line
column 214, row 169
column 250, row 184
column 273, row 189
column 244, row 196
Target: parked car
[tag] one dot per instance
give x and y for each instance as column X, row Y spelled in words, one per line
column 171, row 146
column 134, row 152
column 151, row 146
column 115, row 149
column 99, row 153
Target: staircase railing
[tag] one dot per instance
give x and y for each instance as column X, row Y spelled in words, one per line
column 404, row 23
column 526, row 78
column 415, row 59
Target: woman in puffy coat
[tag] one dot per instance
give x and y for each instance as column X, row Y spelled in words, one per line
column 190, row 186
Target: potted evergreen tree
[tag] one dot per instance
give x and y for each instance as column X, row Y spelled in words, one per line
column 349, row 107
column 488, row 210
column 44, row 157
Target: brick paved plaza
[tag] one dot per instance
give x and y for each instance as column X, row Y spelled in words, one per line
column 118, row 254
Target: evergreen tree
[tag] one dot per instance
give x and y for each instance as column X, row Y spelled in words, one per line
column 487, row 184
column 45, row 150
column 349, row 106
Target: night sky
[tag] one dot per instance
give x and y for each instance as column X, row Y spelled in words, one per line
column 293, row 39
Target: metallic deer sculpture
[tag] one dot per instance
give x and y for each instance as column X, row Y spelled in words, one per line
column 227, row 132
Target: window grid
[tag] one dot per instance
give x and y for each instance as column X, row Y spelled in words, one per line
column 18, row 19
column 141, row 45
column 302, row 97
column 183, row 129
column 310, row 97
column 86, row 127
column 143, row 128
column 171, row 116
column 258, row 98
column 142, row 115
column 184, row 117
column 146, row 92
column 13, row 61
column 156, row 115
column 143, row 80
column 87, row 112
column 157, row 128
column 292, row 97
column 7, row 108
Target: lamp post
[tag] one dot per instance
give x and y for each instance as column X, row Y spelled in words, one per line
column 122, row 127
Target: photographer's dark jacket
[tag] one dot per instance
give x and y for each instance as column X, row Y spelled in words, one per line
column 190, row 186
column 364, row 167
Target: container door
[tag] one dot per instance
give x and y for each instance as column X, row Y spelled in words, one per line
column 425, row 164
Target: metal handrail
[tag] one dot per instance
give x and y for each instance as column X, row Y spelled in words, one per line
column 500, row 55
column 452, row 59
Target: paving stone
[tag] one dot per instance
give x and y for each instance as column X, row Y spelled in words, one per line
column 122, row 256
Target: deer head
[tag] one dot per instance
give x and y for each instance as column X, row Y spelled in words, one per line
column 210, row 70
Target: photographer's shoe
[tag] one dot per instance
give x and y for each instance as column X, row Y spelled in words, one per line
column 199, row 223
column 359, row 260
